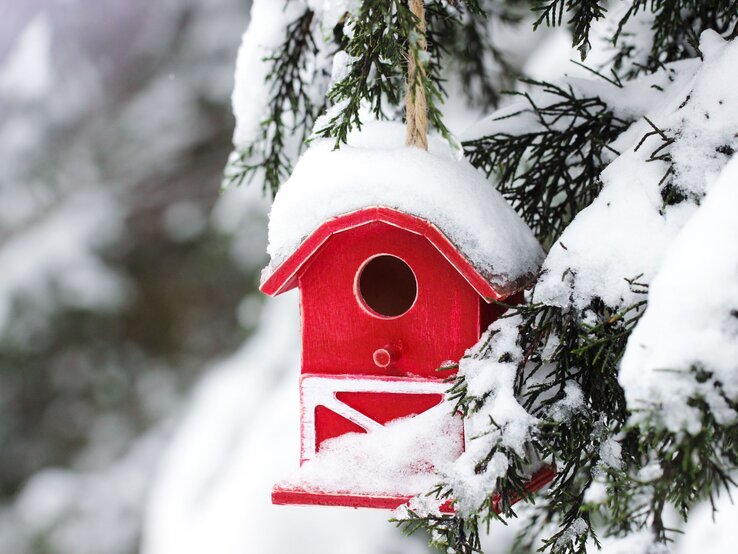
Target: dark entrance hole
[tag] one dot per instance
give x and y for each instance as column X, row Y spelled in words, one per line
column 387, row 286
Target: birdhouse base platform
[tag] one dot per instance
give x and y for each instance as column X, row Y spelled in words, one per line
column 287, row 495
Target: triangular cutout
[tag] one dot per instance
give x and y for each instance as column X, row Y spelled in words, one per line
column 329, row 424
column 384, row 407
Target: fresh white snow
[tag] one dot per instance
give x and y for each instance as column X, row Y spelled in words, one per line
column 238, row 437
column 492, row 381
column 376, row 169
column 624, row 233
column 692, row 318
column 400, row 458
column 28, row 73
column 265, row 33
column 687, row 252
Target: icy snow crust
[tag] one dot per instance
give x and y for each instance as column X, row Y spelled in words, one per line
column 376, row 169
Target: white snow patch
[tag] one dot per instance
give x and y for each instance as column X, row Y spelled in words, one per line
column 331, row 11
column 493, row 381
column 577, row 528
column 611, row 453
column 692, row 318
column 398, row 459
column 596, row 493
column 708, row 530
column 266, row 31
column 640, row 542
column 567, row 407
column 651, row 472
column 28, row 72
column 624, row 233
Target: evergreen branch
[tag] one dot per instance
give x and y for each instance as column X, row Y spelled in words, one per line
column 377, row 46
column 551, row 172
column 583, row 13
column 691, row 468
column 466, row 40
column 676, row 27
column 291, row 110
column 381, row 41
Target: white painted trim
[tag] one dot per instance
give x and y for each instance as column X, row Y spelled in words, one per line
column 321, row 391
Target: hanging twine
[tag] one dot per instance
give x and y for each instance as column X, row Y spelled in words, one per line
column 416, row 106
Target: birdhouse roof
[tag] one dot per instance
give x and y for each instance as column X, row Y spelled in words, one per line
column 433, row 193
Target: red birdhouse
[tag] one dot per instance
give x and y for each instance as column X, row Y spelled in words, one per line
column 398, row 255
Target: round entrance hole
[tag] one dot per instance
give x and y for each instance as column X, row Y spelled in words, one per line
column 387, row 286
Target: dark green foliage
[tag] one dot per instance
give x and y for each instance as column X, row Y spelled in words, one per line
column 463, row 43
column 586, row 353
column 579, row 14
column 378, row 44
column 676, row 27
column 693, row 468
column 676, row 30
column 379, row 47
column 453, row 533
column 460, row 38
column 551, row 172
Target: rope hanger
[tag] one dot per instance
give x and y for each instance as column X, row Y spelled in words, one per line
column 416, row 106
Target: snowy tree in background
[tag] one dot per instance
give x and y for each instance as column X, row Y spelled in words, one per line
column 622, row 365
column 114, row 126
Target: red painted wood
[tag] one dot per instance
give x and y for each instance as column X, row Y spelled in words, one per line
column 343, row 337
column 539, row 480
column 386, row 385
column 281, row 495
column 285, row 277
column 384, row 407
column 491, row 312
column 309, row 498
column 340, row 335
column 329, row 424
column 387, row 355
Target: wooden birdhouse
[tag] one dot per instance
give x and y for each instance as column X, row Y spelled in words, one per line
column 399, row 255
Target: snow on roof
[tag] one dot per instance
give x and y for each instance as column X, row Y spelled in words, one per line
column 375, row 168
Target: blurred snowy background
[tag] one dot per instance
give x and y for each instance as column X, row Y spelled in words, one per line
column 140, row 408
column 148, row 393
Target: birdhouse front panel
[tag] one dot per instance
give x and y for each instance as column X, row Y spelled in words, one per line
column 386, row 302
column 399, row 255
column 378, row 299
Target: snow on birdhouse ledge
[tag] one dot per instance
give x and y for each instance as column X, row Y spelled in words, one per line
column 376, row 169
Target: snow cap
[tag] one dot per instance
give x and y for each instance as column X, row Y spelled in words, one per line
column 376, row 169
